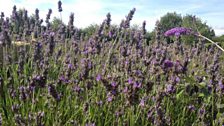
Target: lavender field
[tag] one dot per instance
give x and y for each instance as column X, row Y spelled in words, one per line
column 111, row 77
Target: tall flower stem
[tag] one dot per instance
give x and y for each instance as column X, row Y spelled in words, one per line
column 1, row 55
column 199, row 35
column 61, row 17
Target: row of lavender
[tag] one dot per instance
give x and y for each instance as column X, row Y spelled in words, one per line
column 111, row 78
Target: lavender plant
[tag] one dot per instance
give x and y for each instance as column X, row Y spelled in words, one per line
column 112, row 77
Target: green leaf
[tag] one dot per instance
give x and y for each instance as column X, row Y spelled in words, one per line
column 201, row 95
column 220, row 106
column 202, row 84
column 180, row 94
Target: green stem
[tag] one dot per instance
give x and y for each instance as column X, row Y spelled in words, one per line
column 213, row 121
column 110, row 52
column 61, row 17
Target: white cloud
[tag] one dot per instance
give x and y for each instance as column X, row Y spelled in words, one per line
column 219, row 32
column 85, row 12
column 6, row 6
column 29, row 5
column 94, row 11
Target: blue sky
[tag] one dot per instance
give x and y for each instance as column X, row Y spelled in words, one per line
column 94, row 11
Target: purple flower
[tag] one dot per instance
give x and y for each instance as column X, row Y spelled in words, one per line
column 143, row 27
column 2, row 15
column 53, row 92
column 83, row 62
column 37, row 14
column 99, row 103
column 113, row 84
column 49, row 14
column 90, row 124
column 98, row 78
column 71, row 19
column 126, row 62
column 113, row 92
column 15, row 108
column 150, row 115
column 138, row 72
column 178, row 67
column 175, row 79
column 137, row 85
column 178, row 31
column 168, row 64
column 38, row 45
column 126, row 23
column 108, row 20
column 142, row 103
column 201, row 111
column 109, row 98
column 69, row 66
column 90, row 65
column 23, row 93
column 170, row 89
column 110, row 34
column 191, row 107
column 125, row 90
column 221, row 85
column 59, row 6
column 77, row 89
column 130, row 80
column 62, row 78
column 52, row 34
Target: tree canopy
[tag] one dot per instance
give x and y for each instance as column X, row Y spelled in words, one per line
column 171, row 20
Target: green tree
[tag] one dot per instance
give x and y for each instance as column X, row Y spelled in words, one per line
column 90, row 30
column 196, row 24
column 170, row 20
column 219, row 40
column 149, row 36
column 56, row 22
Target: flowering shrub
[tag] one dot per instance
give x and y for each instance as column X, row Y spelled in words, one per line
column 112, row 77
column 178, row 31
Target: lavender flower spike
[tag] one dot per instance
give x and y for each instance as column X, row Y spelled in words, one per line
column 168, row 64
column 59, row 6
column 178, row 31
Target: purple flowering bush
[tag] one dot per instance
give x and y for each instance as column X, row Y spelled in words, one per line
column 111, row 77
column 178, row 31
